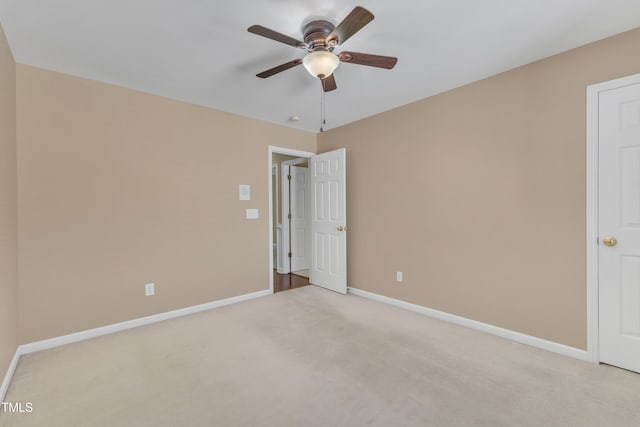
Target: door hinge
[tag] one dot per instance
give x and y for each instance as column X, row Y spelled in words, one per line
column 289, row 177
column 289, row 216
column 290, row 254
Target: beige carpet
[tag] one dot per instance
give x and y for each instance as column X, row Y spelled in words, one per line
column 310, row 357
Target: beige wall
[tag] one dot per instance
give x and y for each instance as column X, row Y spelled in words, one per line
column 8, row 208
column 120, row 188
column 478, row 194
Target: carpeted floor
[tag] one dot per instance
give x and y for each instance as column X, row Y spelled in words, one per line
column 310, row 357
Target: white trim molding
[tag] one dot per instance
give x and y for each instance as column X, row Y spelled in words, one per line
column 592, row 171
column 9, row 375
column 117, row 327
column 285, row 170
column 129, row 324
column 280, row 264
column 478, row 326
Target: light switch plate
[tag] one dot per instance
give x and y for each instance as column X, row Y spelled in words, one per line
column 244, row 192
column 252, row 214
column 149, row 289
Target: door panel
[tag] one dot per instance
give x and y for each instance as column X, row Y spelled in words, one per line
column 328, row 225
column 630, row 296
column 319, row 265
column 619, row 217
column 630, row 164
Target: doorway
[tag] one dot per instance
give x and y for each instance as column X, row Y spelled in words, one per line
column 613, row 218
column 290, row 213
column 323, row 238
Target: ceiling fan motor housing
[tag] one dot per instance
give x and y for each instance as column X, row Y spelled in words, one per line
column 316, row 33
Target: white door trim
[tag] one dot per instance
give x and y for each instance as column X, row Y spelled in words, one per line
column 593, row 93
column 274, row 173
column 284, row 200
column 280, row 267
column 296, row 161
column 289, row 152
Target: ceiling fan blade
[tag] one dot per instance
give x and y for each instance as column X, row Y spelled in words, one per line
column 379, row 61
column 274, row 35
column 329, row 83
column 280, row 68
column 358, row 18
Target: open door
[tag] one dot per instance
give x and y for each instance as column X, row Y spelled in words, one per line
column 328, row 221
column 619, row 226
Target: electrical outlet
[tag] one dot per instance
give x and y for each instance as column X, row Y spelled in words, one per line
column 398, row 276
column 149, row 289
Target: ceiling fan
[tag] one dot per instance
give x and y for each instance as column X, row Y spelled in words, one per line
column 321, row 37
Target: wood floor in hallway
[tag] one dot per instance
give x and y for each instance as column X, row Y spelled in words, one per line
column 284, row 282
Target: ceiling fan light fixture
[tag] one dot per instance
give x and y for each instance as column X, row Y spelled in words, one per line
column 320, row 63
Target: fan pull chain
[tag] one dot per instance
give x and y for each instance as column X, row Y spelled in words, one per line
column 323, row 120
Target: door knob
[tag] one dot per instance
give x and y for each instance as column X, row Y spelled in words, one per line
column 341, row 228
column 610, row 241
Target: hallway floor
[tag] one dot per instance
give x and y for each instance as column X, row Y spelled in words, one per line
column 284, row 282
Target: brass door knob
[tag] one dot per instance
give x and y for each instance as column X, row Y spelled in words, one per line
column 341, row 228
column 610, row 241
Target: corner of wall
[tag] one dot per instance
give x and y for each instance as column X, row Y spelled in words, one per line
column 8, row 214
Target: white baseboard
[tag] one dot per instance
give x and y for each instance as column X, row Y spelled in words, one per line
column 129, row 324
column 117, row 327
column 479, row 326
column 7, row 378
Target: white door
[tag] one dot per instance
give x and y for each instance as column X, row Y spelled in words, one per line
column 619, row 218
column 300, row 219
column 328, row 221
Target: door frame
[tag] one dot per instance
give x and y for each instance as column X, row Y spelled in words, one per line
column 592, row 171
column 274, row 209
column 289, row 152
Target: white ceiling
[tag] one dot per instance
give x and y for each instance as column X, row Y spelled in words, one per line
column 200, row 51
